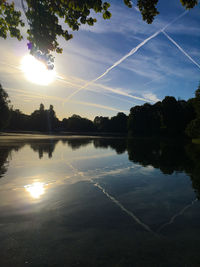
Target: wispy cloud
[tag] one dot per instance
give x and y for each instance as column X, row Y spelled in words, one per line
column 151, row 96
column 27, row 96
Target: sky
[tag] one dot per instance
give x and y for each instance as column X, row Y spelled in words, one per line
column 114, row 65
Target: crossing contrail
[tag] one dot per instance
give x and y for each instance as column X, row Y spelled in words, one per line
column 132, row 52
column 181, row 49
column 114, row 200
column 128, row 212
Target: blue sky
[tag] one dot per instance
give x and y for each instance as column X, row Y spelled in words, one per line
column 158, row 68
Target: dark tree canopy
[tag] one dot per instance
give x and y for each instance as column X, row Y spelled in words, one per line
column 45, row 19
column 4, row 108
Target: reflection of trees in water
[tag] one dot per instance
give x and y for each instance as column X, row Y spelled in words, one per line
column 44, row 146
column 194, row 153
column 119, row 144
column 5, row 152
column 169, row 156
column 77, row 143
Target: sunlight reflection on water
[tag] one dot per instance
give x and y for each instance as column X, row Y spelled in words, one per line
column 36, row 189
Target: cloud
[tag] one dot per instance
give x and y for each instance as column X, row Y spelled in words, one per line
column 151, row 97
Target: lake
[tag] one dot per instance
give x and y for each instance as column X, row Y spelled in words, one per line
column 85, row 201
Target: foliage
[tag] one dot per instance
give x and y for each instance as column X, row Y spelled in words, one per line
column 116, row 124
column 193, row 129
column 46, row 19
column 43, row 120
column 10, row 20
column 18, row 120
column 144, row 120
column 4, row 108
column 169, row 117
column 76, row 123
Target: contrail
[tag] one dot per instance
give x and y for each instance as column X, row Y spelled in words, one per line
column 176, row 215
column 116, row 91
column 132, row 52
column 107, row 88
column 120, row 92
column 181, row 49
column 99, row 106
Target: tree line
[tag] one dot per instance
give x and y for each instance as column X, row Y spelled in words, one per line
column 169, row 117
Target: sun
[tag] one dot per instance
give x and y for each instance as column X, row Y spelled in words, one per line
column 36, row 72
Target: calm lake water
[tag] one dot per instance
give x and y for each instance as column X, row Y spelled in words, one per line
column 84, row 201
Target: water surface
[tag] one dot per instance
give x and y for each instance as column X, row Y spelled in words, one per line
column 83, row 201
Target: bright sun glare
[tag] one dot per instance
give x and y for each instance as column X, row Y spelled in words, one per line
column 36, row 189
column 36, row 72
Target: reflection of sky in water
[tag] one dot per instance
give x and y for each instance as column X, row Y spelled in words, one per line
column 78, row 196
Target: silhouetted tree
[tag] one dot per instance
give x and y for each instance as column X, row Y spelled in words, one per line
column 193, row 128
column 76, row 123
column 44, row 120
column 18, row 120
column 102, row 124
column 118, row 123
column 171, row 115
column 144, row 120
column 4, row 108
column 53, row 121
